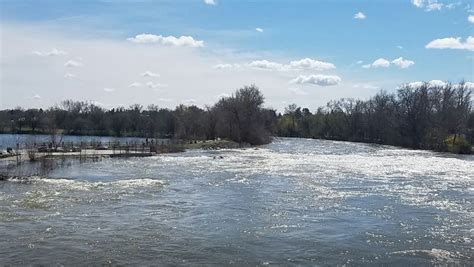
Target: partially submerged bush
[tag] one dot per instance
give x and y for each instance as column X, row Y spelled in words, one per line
column 171, row 148
column 32, row 155
column 217, row 144
column 457, row 144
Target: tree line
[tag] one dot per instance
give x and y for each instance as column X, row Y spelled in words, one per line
column 422, row 117
column 240, row 117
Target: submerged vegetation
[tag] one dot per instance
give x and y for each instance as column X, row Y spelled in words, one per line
column 426, row 117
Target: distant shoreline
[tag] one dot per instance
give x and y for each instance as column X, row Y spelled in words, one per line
column 47, row 158
column 223, row 144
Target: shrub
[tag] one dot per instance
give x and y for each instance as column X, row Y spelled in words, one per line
column 457, row 144
column 32, row 155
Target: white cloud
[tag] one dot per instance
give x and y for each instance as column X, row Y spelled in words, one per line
column 381, row 63
column 359, row 15
column 415, row 84
column 53, row 52
column 185, row 41
column 135, row 84
column 210, row 2
column 453, row 5
column 297, row 91
column 153, row 85
column 432, row 83
column 417, row 3
column 384, row 63
column 73, row 63
column 265, row 64
column 109, row 90
column 189, row 101
column 317, row 79
column 37, row 97
column 69, row 76
column 440, row 83
column 308, row 63
column 431, row 5
column 470, row 18
column 468, row 85
column 259, row 29
column 365, row 86
column 402, row 63
column 452, row 43
column 359, row 62
column 434, row 6
column 150, row 74
column 296, row 65
column 436, row 83
column 225, row 66
column 56, row 52
column 399, row 47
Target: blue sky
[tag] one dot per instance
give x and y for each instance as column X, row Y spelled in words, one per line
column 322, row 31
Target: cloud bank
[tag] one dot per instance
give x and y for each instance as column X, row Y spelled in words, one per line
column 384, row 63
column 53, row 52
column 431, row 5
column 130, row 72
column 317, row 79
column 452, row 43
column 184, row 41
column 296, row 65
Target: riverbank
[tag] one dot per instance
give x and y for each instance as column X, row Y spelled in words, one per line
column 451, row 146
column 85, row 134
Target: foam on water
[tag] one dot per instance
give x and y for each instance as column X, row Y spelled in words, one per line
column 57, row 194
column 70, row 184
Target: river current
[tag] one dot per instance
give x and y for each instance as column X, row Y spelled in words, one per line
column 292, row 202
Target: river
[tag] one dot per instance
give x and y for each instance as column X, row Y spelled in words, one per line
column 292, row 202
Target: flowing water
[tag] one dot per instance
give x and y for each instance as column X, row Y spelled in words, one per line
column 293, row 202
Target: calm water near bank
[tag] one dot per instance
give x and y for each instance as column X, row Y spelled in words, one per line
column 11, row 140
column 292, row 202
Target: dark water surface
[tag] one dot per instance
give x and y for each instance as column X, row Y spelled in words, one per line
column 293, row 202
